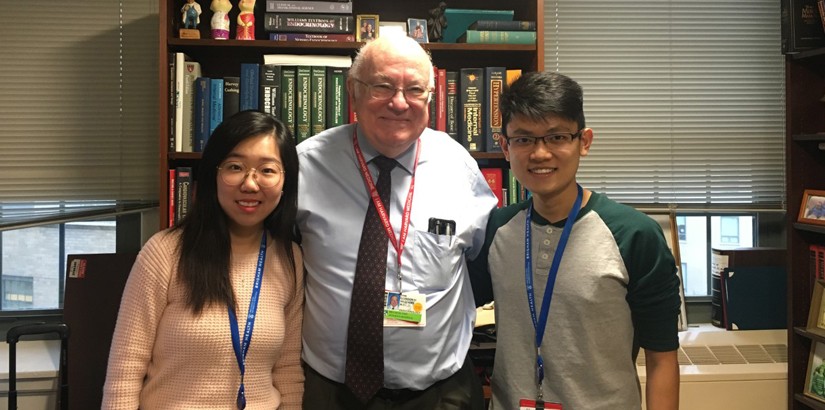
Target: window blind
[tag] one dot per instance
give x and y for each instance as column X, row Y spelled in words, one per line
column 686, row 98
column 78, row 110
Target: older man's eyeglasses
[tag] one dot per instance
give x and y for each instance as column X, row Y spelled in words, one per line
column 266, row 175
column 555, row 140
column 383, row 91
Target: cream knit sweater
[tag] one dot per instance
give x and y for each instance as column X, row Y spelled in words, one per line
column 164, row 357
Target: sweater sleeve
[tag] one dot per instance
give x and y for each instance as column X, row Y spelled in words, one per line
column 288, row 374
column 141, row 308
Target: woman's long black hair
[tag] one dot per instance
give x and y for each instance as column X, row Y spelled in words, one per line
column 205, row 245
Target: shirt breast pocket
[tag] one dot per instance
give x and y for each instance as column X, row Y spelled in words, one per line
column 436, row 259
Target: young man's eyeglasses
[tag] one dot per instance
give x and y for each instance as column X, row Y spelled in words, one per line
column 266, row 175
column 385, row 91
column 555, row 140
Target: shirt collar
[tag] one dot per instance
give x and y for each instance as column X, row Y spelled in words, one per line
column 406, row 160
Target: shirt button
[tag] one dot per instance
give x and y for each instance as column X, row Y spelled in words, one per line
column 545, row 256
column 547, row 242
column 549, row 230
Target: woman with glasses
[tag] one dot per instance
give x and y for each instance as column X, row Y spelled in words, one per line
column 184, row 336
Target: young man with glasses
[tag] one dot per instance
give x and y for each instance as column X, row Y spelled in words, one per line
column 359, row 354
column 605, row 266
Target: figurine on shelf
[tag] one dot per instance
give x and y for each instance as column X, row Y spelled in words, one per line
column 220, row 19
column 437, row 22
column 191, row 17
column 246, row 20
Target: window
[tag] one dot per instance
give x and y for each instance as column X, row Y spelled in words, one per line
column 729, row 230
column 686, row 100
column 78, row 137
column 17, row 292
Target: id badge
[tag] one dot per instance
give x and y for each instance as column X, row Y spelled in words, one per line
column 408, row 309
column 525, row 404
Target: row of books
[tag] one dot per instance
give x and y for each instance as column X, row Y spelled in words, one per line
column 505, row 186
column 308, row 95
column 302, row 20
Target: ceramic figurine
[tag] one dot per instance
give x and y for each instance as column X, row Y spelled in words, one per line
column 220, row 19
column 246, row 20
column 191, row 14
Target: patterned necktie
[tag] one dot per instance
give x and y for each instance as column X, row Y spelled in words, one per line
column 365, row 335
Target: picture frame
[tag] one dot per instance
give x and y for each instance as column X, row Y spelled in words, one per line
column 398, row 27
column 366, row 27
column 812, row 209
column 816, row 312
column 417, row 29
column 815, row 376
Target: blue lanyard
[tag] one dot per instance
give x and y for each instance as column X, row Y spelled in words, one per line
column 250, row 322
column 540, row 324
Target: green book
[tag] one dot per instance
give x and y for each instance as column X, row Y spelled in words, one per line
column 288, row 96
column 303, row 89
column 498, row 37
column 318, row 90
column 336, row 96
column 459, row 19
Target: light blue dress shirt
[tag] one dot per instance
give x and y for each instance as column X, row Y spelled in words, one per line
column 332, row 204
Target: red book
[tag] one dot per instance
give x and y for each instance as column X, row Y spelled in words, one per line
column 441, row 100
column 171, row 197
column 493, row 177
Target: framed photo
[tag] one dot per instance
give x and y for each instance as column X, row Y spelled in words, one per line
column 812, row 210
column 367, row 27
column 417, row 29
column 398, row 27
column 815, row 378
column 816, row 314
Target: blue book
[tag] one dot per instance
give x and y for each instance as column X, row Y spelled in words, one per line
column 202, row 110
column 216, row 104
column 250, row 82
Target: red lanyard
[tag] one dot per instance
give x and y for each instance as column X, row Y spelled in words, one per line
column 379, row 207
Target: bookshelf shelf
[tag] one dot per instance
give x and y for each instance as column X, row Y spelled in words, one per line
column 805, row 165
column 223, row 58
column 808, row 227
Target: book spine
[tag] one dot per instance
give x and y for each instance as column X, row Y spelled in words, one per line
column 171, row 197
column 318, row 105
column 269, row 95
column 336, row 96
column 216, row 104
column 494, row 78
column 288, row 88
column 441, row 100
column 432, row 105
column 499, row 37
column 471, row 95
column 452, row 103
column 305, row 6
column 171, row 147
column 303, row 88
column 309, row 23
column 183, row 182
column 320, row 37
column 512, row 187
column 512, row 75
column 493, row 177
column 231, row 96
column 503, row 25
column 180, row 60
column 250, row 77
column 203, row 89
column 192, row 70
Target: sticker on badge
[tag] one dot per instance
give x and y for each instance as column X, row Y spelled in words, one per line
column 525, row 404
column 406, row 309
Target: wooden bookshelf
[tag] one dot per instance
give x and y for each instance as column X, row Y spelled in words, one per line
column 222, row 58
column 805, row 165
